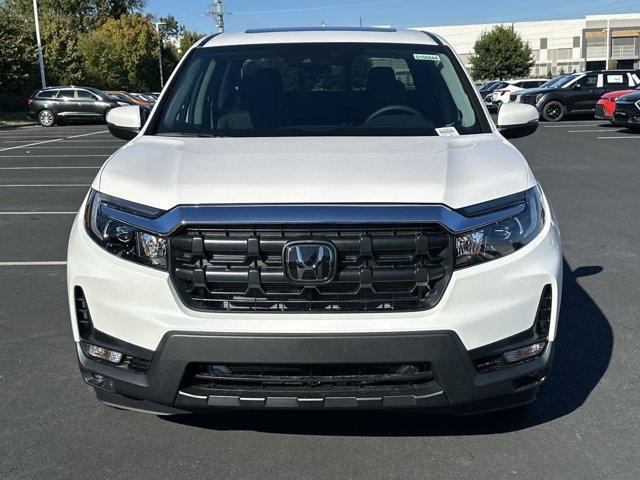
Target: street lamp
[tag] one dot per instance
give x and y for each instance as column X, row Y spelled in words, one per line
column 40, row 56
column 159, row 51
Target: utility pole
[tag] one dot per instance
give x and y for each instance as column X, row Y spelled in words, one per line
column 159, row 52
column 218, row 15
column 608, row 30
column 43, row 81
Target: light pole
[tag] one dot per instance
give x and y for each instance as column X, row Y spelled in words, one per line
column 43, row 81
column 159, row 52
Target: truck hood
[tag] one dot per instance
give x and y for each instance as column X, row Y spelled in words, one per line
column 163, row 172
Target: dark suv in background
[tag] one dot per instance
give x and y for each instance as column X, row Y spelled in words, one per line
column 577, row 93
column 60, row 104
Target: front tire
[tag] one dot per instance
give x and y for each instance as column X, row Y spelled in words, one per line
column 553, row 111
column 46, row 118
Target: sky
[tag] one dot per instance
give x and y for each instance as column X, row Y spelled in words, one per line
column 243, row 14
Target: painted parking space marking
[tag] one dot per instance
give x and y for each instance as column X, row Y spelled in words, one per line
column 53, row 140
column 44, row 185
column 619, row 137
column 84, row 147
column 53, row 156
column 33, row 264
column 590, row 130
column 38, row 213
column 49, row 168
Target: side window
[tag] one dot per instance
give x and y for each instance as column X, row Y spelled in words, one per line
column 86, row 96
column 615, row 81
column 590, row 81
column 67, row 94
column 47, row 94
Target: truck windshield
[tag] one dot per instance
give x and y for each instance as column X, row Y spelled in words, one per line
column 320, row 90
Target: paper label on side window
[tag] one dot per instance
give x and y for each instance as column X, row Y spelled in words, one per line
column 426, row 56
column 447, row 131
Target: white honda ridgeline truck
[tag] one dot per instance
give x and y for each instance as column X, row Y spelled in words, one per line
column 316, row 219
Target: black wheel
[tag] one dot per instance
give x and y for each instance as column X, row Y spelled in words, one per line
column 553, row 111
column 46, row 118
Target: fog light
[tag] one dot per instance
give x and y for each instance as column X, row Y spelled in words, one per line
column 102, row 353
column 524, row 353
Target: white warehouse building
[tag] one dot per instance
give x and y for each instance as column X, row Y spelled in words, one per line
column 563, row 46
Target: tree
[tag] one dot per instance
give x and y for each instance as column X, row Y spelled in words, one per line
column 500, row 53
column 122, row 53
column 18, row 56
column 88, row 14
column 187, row 39
column 60, row 38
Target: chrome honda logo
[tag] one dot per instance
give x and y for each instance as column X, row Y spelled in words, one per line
column 310, row 262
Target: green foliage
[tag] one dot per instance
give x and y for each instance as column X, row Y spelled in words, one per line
column 87, row 14
column 100, row 43
column 187, row 39
column 63, row 61
column 122, row 53
column 500, row 53
column 18, row 56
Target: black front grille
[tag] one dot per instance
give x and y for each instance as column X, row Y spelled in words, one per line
column 626, row 112
column 379, row 268
column 210, row 379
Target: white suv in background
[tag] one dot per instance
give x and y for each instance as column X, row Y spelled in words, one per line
column 316, row 219
column 502, row 95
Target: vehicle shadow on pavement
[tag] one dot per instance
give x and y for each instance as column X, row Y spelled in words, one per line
column 583, row 351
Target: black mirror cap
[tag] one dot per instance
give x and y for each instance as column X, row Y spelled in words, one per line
column 123, row 133
column 519, row 131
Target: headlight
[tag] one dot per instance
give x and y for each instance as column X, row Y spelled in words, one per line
column 503, row 237
column 121, row 239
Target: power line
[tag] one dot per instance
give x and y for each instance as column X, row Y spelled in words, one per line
column 310, row 9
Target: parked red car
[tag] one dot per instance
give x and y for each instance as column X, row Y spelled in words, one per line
column 607, row 104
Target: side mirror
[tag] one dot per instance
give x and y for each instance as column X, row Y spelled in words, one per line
column 577, row 86
column 125, row 122
column 517, row 120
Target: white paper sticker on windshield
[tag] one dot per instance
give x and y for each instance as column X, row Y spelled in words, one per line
column 447, row 131
column 426, row 56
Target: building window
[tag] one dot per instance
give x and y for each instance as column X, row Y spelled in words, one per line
column 576, row 42
column 543, row 44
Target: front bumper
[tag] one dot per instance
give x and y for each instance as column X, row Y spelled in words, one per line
column 486, row 305
column 458, row 387
column 601, row 113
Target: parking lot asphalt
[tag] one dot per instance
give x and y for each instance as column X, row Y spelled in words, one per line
column 585, row 424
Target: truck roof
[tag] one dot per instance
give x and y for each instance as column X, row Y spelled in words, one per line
column 321, row 35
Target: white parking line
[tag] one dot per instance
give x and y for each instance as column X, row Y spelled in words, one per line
column 52, row 156
column 68, row 147
column 77, row 147
column 38, row 213
column 628, row 137
column 54, row 140
column 587, row 131
column 48, row 168
column 31, row 264
column 573, row 125
column 25, row 185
